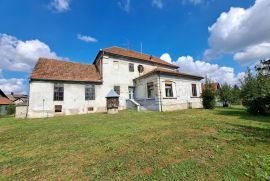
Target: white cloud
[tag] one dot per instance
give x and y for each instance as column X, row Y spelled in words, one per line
column 18, row 55
column 241, row 32
column 213, row 71
column 12, row 85
column 166, row 57
column 158, row 3
column 193, row 2
column 60, row 5
column 254, row 52
column 87, row 39
column 124, row 5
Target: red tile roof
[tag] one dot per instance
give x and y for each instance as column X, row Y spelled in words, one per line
column 170, row 72
column 51, row 69
column 5, row 101
column 133, row 54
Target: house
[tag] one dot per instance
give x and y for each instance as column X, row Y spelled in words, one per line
column 143, row 81
column 17, row 98
column 4, row 103
column 215, row 86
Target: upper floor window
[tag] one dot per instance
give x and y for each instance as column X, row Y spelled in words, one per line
column 168, row 90
column 131, row 67
column 194, row 90
column 150, row 90
column 58, row 92
column 117, row 89
column 116, row 65
column 90, row 92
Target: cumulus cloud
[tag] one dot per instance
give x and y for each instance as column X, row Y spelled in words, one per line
column 60, row 5
column 12, row 85
column 87, row 39
column 166, row 57
column 213, row 71
column 124, row 5
column 158, row 3
column 241, row 32
column 18, row 55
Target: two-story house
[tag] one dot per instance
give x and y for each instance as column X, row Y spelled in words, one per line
column 66, row 88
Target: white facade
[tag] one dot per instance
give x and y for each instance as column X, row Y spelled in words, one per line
column 114, row 71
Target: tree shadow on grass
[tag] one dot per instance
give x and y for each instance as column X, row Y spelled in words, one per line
column 252, row 134
column 241, row 113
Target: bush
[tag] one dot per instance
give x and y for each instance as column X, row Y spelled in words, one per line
column 11, row 109
column 208, row 96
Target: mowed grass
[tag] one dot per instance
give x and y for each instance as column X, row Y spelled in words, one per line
column 197, row 144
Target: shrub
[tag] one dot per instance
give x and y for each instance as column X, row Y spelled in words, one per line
column 208, row 96
column 11, row 109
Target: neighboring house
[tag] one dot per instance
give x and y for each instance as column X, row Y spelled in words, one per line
column 17, row 98
column 214, row 85
column 64, row 88
column 4, row 103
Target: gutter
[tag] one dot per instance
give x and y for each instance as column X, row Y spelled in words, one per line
column 161, row 108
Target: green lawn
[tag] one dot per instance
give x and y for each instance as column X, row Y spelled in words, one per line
column 220, row 144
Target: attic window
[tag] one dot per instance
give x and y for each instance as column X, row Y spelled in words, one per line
column 140, row 68
column 131, row 67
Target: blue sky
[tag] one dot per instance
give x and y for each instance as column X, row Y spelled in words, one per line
column 76, row 30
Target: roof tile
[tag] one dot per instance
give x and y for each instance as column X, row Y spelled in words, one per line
column 52, row 69
column 133, row 54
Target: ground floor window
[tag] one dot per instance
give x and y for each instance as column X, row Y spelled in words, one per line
column 58, row 108
column 150, row 90
column 168, row 90
column 58, row 92
column 194, row 90
column 90, row 92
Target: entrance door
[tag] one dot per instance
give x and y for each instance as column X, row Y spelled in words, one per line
column 131, row 91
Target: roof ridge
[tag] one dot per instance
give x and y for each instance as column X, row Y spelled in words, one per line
column 61, row 60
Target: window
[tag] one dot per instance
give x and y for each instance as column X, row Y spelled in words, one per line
column 117, row 89
column 168, row 90
column 140, row 69
column 58, row 108
column 58, row 92
column 131, row 67
column 150, row 90
column 116, row 65
column 194, row 90
column 90, row 92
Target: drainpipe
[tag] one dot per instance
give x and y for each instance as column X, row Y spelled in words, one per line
column 26, row 116
column 160, row 97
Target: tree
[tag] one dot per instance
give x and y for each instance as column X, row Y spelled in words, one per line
column 208, row 95
column 11, row 109
column 255, row 91
column 236, row 99
column 225, row 94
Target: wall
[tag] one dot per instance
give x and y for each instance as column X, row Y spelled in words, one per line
column 21, row 112
column 3, row 110
column 182, row 92
column 41, row 103
column 120, row 76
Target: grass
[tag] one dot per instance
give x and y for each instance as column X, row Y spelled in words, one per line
column 197, row 144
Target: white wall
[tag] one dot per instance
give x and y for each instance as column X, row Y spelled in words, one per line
column 41, row 103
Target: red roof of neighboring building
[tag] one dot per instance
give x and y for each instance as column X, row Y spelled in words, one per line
column 5, row 101
column 133, row 54
column 52, row 69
